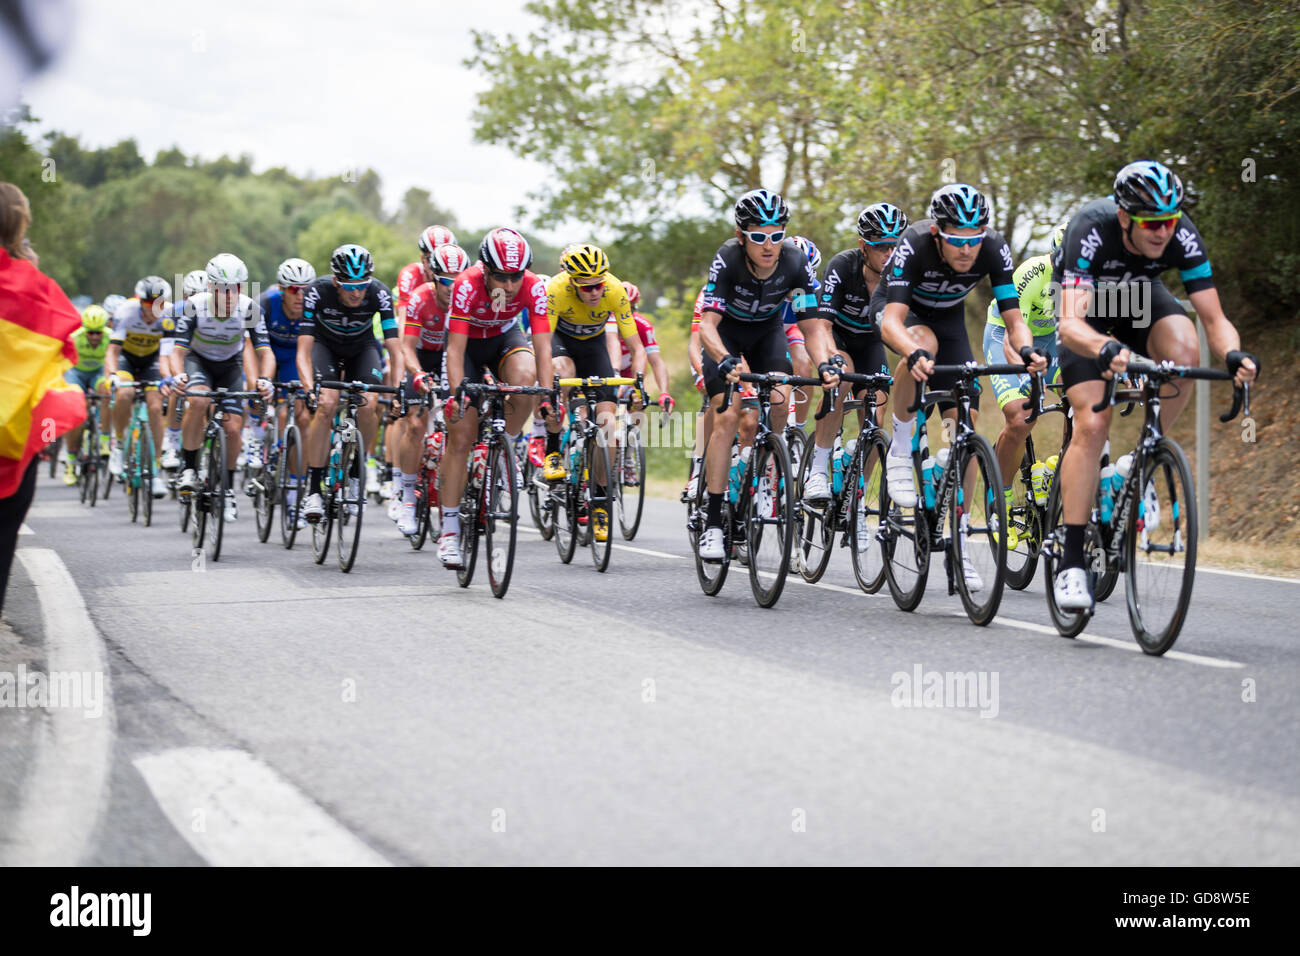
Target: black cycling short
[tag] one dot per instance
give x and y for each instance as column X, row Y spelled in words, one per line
column 1083, row 368
column 488, row 354
column 865, row 350
column 590, row 359
column 358, row 361
column 431, row 362
column 227, row 374
column 954, row 349
column 143, row 368
column 762, row 344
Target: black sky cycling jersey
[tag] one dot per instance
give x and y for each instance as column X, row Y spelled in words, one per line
column 326, row 318
column 1093, row 252
column 733, row 290
column 916, row 275
column 844, row 294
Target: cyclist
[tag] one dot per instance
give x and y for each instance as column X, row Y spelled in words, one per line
column 852, row 276
column 210, row 341
column 1113, row 305
column 1033, row 279
column 750, row 278
column 794, row 337
column 88, row 375
column 579, row 301
column 192, row 284
column 336, row 341
column 412, row 276
column 134, row 353
column 423, row 342
column 936, row 264
column 484, row 334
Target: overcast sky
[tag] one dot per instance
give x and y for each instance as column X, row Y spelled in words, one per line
column 318, row 88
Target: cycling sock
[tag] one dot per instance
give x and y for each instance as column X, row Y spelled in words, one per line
column 316, row 479
column 552, row 442
column 451, row 520
column 408, row 487
column 539, row 428
column 191, row 456
column 174, row 436
column 1010, row 494
column 399, row 476
column 1073, row 557
column 820, row 457
column 900, row 445
column 714, row 518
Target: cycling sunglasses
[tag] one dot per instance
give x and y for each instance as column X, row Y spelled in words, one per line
column 761, row 238
column 507, row 276
column 293, row 288
column 960, row 241
column 593, row 287
column 1156, row 222
column 444, row 280
column 354, row 286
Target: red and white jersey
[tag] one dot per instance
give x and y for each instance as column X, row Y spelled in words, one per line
column 425, row 319
column 475, row 314
column 408, row 280
column 645, row 331
column 699, row 310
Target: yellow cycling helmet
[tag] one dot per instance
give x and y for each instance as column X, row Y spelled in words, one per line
column 584, row 262
column 94, row 318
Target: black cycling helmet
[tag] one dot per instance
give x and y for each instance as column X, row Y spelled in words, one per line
column 881, row 221
column 352, row 263
column 959, row 205
column 1148, row 188
column 761, row 207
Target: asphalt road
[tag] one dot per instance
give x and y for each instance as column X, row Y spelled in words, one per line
column 264, row 709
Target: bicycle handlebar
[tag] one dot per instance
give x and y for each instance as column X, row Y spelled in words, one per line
column 768, row 380
column 967, row 371
column 1161, row 372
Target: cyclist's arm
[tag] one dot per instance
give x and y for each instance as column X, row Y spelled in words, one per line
column 111, row 358
column 693, row 353
column 660, row 371
column 1075, row 332
column 1220, row 333
column 394, row 361
column 612, row 347
column 637, row 352
column 893, row 328
column 409, row 345
column 455, row 360
column 710, row 340
column 305, row 343
column 542, row 349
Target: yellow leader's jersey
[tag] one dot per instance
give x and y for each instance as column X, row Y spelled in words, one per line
column 568, row 313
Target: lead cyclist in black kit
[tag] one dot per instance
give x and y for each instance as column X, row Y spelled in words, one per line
column 750, row 278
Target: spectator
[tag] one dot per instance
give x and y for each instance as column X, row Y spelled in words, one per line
column 36, row 405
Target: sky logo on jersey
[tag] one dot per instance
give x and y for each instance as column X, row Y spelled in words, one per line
column 900, row 254
column 1188, row 240
column 1088, row 248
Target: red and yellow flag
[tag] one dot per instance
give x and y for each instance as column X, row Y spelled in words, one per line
column 36, row 404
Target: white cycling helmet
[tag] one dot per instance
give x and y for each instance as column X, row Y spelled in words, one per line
column 112, row 303
column 226, row 269
column 153, row 287
column 194, row 282
column 295, row 272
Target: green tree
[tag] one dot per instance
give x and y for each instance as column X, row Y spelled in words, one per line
column 319, row 240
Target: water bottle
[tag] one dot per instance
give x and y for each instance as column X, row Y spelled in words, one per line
column 1107, row 498
column 837, row 467
column 940, row 463
column 738, row 462
column 850, row 449
column 480, row 463
column 1038, row 482
column 927, row 480
column 1122, row 468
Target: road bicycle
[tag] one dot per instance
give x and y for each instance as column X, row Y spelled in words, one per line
column 1150, row 536
column 89, row 460
column 343, row 492
column 960, row 511
column 138, row 458
column 628, row 462
column 208, row 500
column 489, row 506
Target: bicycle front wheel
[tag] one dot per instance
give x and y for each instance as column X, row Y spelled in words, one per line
column 351, row 504
column 471, row 511
column 711, row 574
column 289, row 472
column 216, row 499
column 867, row 508
column 499, row 523
column 814, row 529
column 979, row 549
column 1160, row 548
column 906, row 546
column 770, row 520
column 1067, row 623
column 146, row 477
column 1024, row 537
column 600, row 501
column 631, row 498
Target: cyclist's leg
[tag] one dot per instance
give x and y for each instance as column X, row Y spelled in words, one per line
column 563, row 365
column 1078, row 468
column 153, row 401
column 1010, row 392
column 194, row 418
column 325, row 367
column 769, row 352
column 802, row 364
column 1172, row 337
column 518, row 366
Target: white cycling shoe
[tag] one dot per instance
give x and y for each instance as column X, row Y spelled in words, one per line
column 313, row 507
column 1070, row 590
column 898, row 480
column 449, row 549
column 711, row 545
column 407, row 523
column 817, row 489
column 170, row 459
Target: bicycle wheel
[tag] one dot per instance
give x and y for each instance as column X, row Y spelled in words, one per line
column 563, row 505
column 770, row 524
column 978, row 552
column 351, row 503
column 1024, row 518
column 323, row 530
column 289, row 481
column 1067, row 623
column 866, row 507
column 471, row 510
column 631, row 497
column 1104, row 585
column 1160, row 548
column 130, row 482
column 798, row 444
column 184, row 507
column 501, row 514
column 146, row 477
column 596, row 462
column 264, row 499
column 906, row 546
column 711, row 574
column 814, row 526
column 216, row 501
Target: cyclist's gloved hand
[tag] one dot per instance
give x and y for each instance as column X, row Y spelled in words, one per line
column 699, row 382
column 450, row 409
column 180, row 380
column 666, row 403
column 917, row 356
column 423, row 382
column 266, row 388
column 1108, row 354
column 830, row 371
column 1032, row 359
column 1238, row 371
column 728, row 365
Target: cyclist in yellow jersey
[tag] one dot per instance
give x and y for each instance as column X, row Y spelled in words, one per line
column 134, row 353
column 91, row 342
column 579, row 301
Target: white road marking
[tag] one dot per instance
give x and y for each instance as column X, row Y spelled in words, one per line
column 68, row 782
column 234, row 810
column 24, row 529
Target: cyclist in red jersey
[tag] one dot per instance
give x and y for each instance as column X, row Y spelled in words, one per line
column 483, row 335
